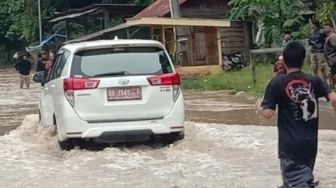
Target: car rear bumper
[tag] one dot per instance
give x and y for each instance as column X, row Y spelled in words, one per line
column 70, row 125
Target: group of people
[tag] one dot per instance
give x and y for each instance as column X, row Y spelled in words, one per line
column 295, row 95
column 323, row 44
column 323, row 51
column 23, row 65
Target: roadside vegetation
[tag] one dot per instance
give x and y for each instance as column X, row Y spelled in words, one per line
column 235, row 81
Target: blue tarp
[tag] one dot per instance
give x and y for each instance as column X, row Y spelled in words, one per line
column 50, row 38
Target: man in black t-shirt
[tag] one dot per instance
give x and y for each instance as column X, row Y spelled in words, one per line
column 296, row 96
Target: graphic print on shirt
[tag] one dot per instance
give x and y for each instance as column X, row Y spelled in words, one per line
column 304, row 104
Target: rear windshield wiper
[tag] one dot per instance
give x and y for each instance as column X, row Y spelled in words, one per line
column 119, row 73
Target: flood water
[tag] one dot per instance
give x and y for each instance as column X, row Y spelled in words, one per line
column 15, row 103
column 223, row 148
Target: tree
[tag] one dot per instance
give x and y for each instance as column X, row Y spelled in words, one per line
column 327, row 11
column 273, row 16
column 19, row 22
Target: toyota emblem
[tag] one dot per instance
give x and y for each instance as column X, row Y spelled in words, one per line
column 124, row 81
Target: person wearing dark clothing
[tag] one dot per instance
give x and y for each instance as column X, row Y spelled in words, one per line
column 296, row 94
column 330, row 51
column 316, row 41
column 23, row 67
column 42, row 61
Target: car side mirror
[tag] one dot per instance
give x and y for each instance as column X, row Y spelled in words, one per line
column 40, row 77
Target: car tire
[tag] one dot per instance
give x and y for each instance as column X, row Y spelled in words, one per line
column 67, row 145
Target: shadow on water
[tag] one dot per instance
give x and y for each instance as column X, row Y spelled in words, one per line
column 152, row 143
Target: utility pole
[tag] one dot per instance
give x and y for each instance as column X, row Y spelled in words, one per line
column 40, row 20
column 175, row 10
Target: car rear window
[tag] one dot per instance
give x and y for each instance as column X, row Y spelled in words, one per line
column 119, row 60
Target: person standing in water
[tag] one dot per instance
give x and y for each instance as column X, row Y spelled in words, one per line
column 316, row 41
column 296, row 94
column 330, row 52
column 24, row 67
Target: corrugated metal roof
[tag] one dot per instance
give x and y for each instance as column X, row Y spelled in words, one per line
column 193, row 22
column 74, row 15
column 158, row 9
column 99, row 33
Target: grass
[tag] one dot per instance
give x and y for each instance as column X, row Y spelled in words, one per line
column 235, row 81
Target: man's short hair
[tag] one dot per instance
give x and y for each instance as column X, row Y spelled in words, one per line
column 329, row 24
column 287, row 32
column 294, row 54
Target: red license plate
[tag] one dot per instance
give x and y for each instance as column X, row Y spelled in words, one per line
column 124, row 93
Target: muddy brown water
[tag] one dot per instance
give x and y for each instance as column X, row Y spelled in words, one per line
column 15, row 103
column 212, row 155
column 207, row 107
column 225, row 108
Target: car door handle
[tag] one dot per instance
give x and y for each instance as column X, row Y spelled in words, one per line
column 53, row 86
column 46, row 89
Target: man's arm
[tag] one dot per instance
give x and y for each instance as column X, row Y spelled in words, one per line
column 266, row 106
column 332, row 99
column 333, row 40
column 17, row 66
column 266, row 113
column 30, row 66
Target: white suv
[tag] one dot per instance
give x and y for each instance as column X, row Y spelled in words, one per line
column 112, row 91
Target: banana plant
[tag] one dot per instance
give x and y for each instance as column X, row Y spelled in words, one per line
column 276, row 16
column 327, row 12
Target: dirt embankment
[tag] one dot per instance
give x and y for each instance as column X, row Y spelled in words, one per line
column 225, row 108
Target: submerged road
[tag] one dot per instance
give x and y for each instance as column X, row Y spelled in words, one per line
column 223, row 148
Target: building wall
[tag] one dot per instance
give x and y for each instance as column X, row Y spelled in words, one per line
column 235, row 38
column 215, row 9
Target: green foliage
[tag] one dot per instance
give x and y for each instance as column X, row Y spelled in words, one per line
column 237, row 81
column 276, row 15
column 19, row 23
column 327, row 11
column 303, row 32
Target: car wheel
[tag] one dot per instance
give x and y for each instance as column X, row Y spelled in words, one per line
column 67, row 144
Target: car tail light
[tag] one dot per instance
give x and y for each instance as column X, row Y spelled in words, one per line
column 171, row 79
column 80, row 84
column 165, row 79
column 72, row 84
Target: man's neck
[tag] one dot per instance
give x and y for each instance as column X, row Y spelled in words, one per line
column 290, row 70
column 330, row 33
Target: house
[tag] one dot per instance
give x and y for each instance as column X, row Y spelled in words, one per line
column 199, row 37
